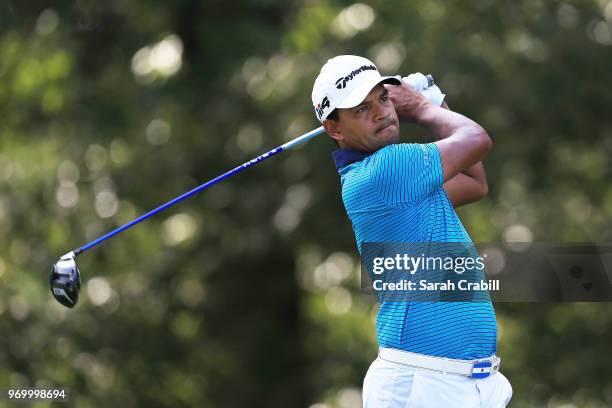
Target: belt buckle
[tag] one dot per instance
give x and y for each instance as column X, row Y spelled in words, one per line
column 483, row 369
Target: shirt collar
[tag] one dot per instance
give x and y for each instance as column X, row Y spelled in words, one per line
column 344, row 157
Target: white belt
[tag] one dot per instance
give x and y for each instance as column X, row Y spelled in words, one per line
column 472, row 368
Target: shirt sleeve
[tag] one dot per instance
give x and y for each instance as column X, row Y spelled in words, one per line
column 407, row 172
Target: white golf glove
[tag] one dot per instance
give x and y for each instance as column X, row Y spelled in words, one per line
column 425, row 86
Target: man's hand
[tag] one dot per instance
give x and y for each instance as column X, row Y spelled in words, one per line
column 461, row 141
column 425, row 85
column 408, row 102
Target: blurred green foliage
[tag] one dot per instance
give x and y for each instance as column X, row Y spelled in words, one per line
column 248, row 295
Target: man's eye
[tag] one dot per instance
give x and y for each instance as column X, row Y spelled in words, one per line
column 361, row 109
column 384, row 98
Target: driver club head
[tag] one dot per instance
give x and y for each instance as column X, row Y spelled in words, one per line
column 66, row 281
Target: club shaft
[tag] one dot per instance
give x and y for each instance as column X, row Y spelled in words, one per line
column 297, row 141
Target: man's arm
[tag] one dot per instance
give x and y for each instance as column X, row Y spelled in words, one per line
column 464, row 188
column 462, row 142
column 468, row 186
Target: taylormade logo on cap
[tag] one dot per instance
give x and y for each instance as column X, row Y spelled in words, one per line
column 344, row 82
column 341, row 83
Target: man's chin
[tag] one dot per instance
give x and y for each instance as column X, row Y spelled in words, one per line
column 389, row 135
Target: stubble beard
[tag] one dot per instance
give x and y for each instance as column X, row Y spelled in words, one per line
column 392, row 138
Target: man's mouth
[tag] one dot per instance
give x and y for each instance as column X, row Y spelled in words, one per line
column 384, row 126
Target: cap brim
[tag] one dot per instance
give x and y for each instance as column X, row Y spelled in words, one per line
column 360, row 93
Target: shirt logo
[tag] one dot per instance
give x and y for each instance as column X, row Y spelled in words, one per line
column 320, row 108
column 341, row 82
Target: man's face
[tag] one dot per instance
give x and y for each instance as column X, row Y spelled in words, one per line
column 368, row 126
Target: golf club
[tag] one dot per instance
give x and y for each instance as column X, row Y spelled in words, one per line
column 65, row 277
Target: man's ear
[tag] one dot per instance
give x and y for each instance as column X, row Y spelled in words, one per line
column 332, row 127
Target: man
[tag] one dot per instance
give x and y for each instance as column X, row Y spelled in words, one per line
column 431, row 354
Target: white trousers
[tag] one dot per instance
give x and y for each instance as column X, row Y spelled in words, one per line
column 393, row 385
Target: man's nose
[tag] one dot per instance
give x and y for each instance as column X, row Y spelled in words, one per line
column 380, row 112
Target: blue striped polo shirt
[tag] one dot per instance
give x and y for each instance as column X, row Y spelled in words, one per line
column 396, row 195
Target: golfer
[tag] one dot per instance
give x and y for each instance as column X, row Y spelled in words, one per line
column 431, row 354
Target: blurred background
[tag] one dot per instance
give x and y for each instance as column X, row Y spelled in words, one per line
column 248, row 294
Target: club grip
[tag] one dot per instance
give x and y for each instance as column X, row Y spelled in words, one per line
column 430, row 80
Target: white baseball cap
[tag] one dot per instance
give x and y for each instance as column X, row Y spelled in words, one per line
column 344, row 82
